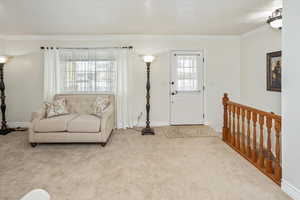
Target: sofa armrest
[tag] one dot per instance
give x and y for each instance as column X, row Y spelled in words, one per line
column 107, row 122
column 35, row 117
column 38, row 115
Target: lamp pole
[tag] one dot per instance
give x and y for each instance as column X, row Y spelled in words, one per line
column 4, row 129
column 148, row 130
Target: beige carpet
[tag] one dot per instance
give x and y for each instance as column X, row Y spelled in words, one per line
column 132, row 167
column 188, row 131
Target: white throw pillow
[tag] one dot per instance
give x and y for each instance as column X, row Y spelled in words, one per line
column 57, row 108
column 99, row 106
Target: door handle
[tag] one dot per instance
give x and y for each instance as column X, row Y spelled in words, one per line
column 174, row 93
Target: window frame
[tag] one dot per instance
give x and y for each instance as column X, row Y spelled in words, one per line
column 198, row 72
column 63, row 72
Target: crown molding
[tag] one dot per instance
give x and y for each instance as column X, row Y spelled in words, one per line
column 106, row 37
column 111, row 37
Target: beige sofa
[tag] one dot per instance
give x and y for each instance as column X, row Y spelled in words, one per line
column 77, row 127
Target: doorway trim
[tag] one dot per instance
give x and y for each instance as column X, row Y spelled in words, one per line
column 205, row 122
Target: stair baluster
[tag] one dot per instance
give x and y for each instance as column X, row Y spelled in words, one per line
column 240, row 133
column 277, row 170
column 269, row 144
column 261, row 157
column 229, row 124
column 243, row 148
column 233, row 125
column 248, row 134
column 254, row 148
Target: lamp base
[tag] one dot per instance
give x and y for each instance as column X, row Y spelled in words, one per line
column 6, row 131
column 148, row 131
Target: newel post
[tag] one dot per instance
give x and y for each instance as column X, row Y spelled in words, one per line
column 225, row 118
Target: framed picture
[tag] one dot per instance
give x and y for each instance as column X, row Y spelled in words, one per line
column 274, row 71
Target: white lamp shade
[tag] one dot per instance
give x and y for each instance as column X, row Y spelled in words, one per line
column 276, row 23
column 3, row 59
column 148, row 59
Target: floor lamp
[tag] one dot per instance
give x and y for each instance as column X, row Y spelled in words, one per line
column 148, row 130
column 4, row 129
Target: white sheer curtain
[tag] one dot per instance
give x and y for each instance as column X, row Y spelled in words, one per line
column 59, row 65
column 51, row 73
column 124, row 90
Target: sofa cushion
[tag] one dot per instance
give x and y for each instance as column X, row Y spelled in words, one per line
column 54, row 124
column 84, row 124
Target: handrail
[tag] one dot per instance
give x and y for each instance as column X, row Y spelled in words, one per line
column 243, row 130
column 270, row 114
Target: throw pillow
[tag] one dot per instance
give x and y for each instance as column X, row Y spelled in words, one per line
column 58, row 107
column 100, row 104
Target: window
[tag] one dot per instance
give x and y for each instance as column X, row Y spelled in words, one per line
column 187, row 72
column 87, row 71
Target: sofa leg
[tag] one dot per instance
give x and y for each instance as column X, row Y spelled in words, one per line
column 33, row 145
column 103, row 144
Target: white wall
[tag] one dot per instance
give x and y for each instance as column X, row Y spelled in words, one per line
column 24, row 72
column 254, row 47
column 1, row 46
column 291, row 99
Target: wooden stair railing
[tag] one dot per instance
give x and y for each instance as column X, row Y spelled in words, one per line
column 251, row 132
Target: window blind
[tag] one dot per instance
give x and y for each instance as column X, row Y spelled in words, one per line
column 87, row 71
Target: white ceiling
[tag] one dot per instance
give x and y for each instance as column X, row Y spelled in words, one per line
column 176, row 17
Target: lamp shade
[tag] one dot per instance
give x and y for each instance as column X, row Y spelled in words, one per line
column 148, row 59
column 275, row 20
column 276, row 24
column 3, row 59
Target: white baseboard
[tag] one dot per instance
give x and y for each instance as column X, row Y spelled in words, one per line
column 18, row 124
column 141, row 124
column 291, row 190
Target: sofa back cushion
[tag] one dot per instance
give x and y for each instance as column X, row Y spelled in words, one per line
column 82, row 103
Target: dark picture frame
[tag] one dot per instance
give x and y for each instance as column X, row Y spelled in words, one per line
column 274, row 71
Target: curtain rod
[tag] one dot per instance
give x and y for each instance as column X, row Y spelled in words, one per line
column 123, row 47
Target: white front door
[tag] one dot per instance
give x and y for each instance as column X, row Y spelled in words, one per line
column 186, row 87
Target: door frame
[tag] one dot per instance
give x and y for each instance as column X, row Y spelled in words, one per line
column 203, row 51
